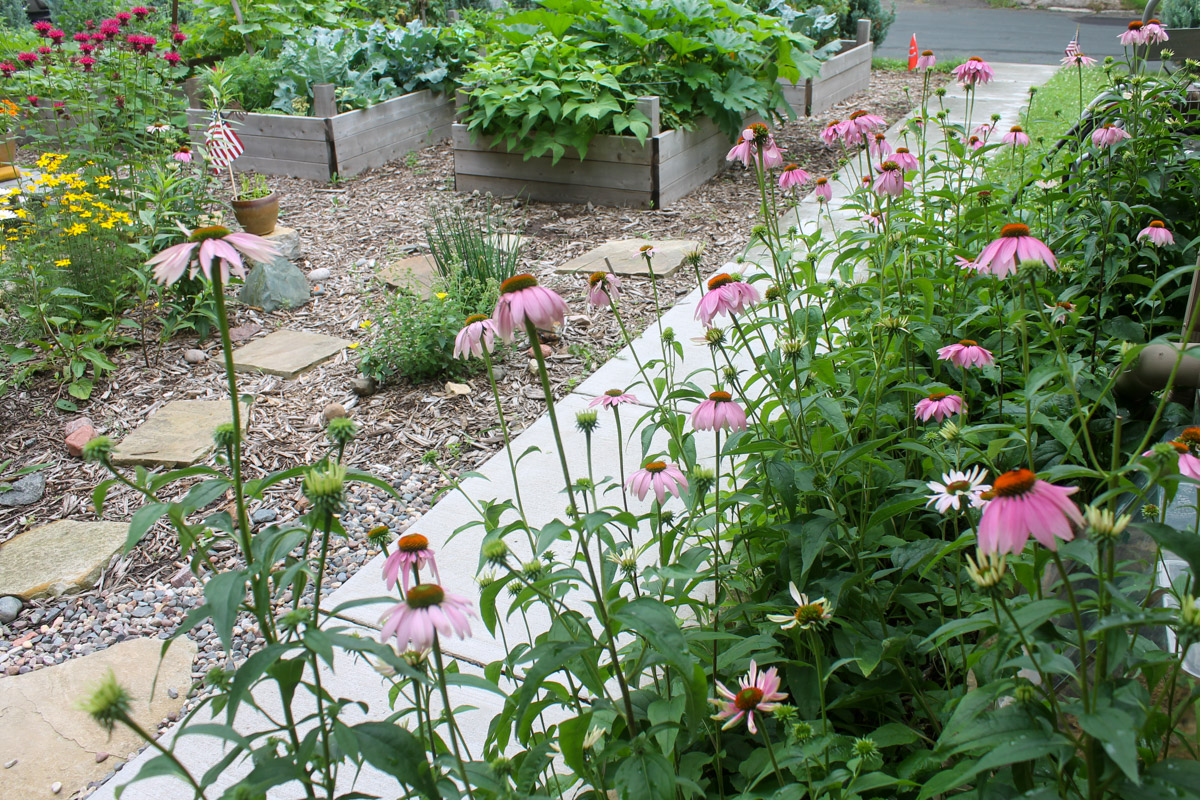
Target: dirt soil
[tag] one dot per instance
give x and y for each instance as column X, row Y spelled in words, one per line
column 354, row 229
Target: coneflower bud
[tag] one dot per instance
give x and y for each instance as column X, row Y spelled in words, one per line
column 949, row 431
column 772, row 294
column 496, row 552
column 108, row 703
column 1150, row 511
column 225, row 435
column 341, row 430
column 1189, row 617
column 988, row 572
column 379, row 535
column 587, row 420
column 692, row 258
column 98, row 448
column 325, row 488
column 714, row 337
column 668, row 335
column 730, row 373
column 1025, row 694
column 791, row 348
column 865, row 747
column 533, row 569
column 1103, row 523
column 702, row 479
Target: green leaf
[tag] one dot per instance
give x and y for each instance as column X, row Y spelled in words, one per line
column 143, row 519
column 645, row 776
column 81, row 388
column 658, row 624
column 224, row 593
column 397, row 752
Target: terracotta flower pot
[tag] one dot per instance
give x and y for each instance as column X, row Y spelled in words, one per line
column 257, row 216
column 8, row 155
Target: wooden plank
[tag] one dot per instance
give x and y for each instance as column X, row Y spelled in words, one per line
column 279, row 125
column 391, row 151
column 277, row 148
column 293, row 169
column 404, row 130
column 672, row 143
column 382, row 114
column 827, row 93
column 618, row 149
column 554, row 192
column 599, row 174
column 682, row 174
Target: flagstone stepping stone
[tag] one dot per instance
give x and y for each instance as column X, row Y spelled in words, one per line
column 415, row 274
column 52, row 741
column 287, row 353
column 626, row 259
column 177, row 435
column 64, row 557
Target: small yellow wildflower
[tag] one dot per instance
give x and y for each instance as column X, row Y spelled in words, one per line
column 442, row 295
column 76, row 229
column 63, row 262
column 366, row 323
column 353, row 345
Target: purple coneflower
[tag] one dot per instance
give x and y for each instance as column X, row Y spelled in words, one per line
column 958, row 490
column 214, row 243
column 727, row 294
column 1155, row 32
column 890, row 180
column 1109, row 135
column 757, row 692
column 904, row 157
column 1024, row 506
column 833, row 132
column 1157, row 233
column 1078, row 60
column 426, row 611
column 659, row 476
column 478, row 334
column 521, row 299
column 927, row 60
column 1001, row 257
column 612, row 398
column 823, row 190
column 719, row 412
column 412, row 551
column 1133, row 35
column 792, row 176
column 966, row 353
column 973, row 72
column 603, row 288
column 938, row 406
column 864, row 123
column 1016, row 136
column 879, row 146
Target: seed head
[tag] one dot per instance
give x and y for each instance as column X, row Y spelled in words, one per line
column 341, row 430
column 496, row 552
column 108, row 703
column 225, row 435
column 587, row 420
column 325, row 489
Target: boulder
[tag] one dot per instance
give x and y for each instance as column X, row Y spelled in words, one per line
column 275, row 284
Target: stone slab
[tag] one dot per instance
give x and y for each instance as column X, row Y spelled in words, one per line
column 287, row 240
column 52, row 741
column 415, row 273
column 64, row 557
column 287, row 353
column 177, row 435
column 626, row 259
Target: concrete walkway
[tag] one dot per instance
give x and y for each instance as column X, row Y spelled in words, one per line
column 450, row 527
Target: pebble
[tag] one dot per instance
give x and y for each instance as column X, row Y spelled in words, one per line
column 263, row 515
column 10, row 608
column 173, row 693
column 364, row 386
column 24, row 491
column 333, row 411
column 101, row 758
column 10, row 764
column 459, row 389
column 194, row 356
column 56, row 787
column 320, row 274
column 547, row 351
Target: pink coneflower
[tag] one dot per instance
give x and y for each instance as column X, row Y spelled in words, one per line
column 833, row 132
column 938, row 406
column 87, row 62
column 1108, row 135
column 521, row 300
column 874, row 220
column 727, row 294
column 27, row 58
column 879, row 146
column 973, row 72
column 659, row 476
column 748, row 145
column 890, row 180
column 183, row 155
column 1157, row 233
column 1016, row 136
column 214, row 243
column 974, row 143
column 425, row 611
column 603, row 289
column 927, row 60
column 865, row 123
column 823, row 190
column 478, row 334
column 958, row 490
column 171, row 57
column 791, row 177
column 1133, row 35
column 966, row 353
column 1155, row 32
column 612, row 398
column 719, row 412
column 742, row 151
column 1186, row 446
column 905, row 159
column 412, row 552
column 757, row 692
column 1060, row 311
column 1025, row 506
column 808, row 613
column 1001, row 257
column 1078, row 60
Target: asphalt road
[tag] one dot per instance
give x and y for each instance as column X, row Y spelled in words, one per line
column 958, row 28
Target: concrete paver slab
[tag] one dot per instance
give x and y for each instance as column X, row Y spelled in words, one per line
column 626, row 259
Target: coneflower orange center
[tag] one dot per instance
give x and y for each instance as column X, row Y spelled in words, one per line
column 902, row 150
column 831, row 124
column 889, row 166
column 1190, row 436
column 968, row 342
column 813, row 612
column 518, row 282
column 748, row 699
column 655, row 466
column 926, row 52
column 858, row 114
column 412, row 542
column 596, row 277
column 1158, row 223
column 1014, row 229
column 1016, row 129
column 1136, row 25
column 424, row 595
column 208, row 232
column 937, row 396
column 1014, row 483
column 614, row 393
column 1153, row 21
column 1180, row 447
column 879, row 137
column 717, row 281
column 822, row 181
column 471, row 320
column 791, row 167
column 976, row 59
column 720, row 397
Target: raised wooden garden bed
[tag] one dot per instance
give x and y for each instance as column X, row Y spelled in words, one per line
column 324, row 146
column 846, row 73
column 618, row 170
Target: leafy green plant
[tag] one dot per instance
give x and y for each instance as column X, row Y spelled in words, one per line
column 873, row 10
column 1181, row 13
column 252, row 80
column 473, row 251
column 252, row 187
column 12, row 16
column 266, row 26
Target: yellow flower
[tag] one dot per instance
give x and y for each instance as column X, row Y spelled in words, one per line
column 442, row 295
column 63, row 262
column 76, row 229
column 366, row 323
column 104, row 180
column 353, row 345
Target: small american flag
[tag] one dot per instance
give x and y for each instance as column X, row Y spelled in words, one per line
column 222, row 142
column 1073, row 46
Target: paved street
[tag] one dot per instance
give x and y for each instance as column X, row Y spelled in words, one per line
column 972, row 28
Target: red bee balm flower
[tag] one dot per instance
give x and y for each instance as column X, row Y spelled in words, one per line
column 1025, row 506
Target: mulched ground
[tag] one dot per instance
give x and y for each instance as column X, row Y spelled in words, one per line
column 353, row 229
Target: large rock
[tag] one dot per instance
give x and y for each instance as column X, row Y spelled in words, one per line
column 52, row 741
column 64, row 557
column 275, row 284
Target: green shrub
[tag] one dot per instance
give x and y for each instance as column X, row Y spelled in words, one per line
column 252, row 80
column 868, row 9
column 466, row 249
column 12, row 15
column 1181, row 13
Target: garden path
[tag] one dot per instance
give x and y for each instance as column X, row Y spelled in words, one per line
column 540, row 481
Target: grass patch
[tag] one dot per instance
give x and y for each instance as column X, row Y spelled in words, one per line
column 1051, row 113
column 901, row 65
